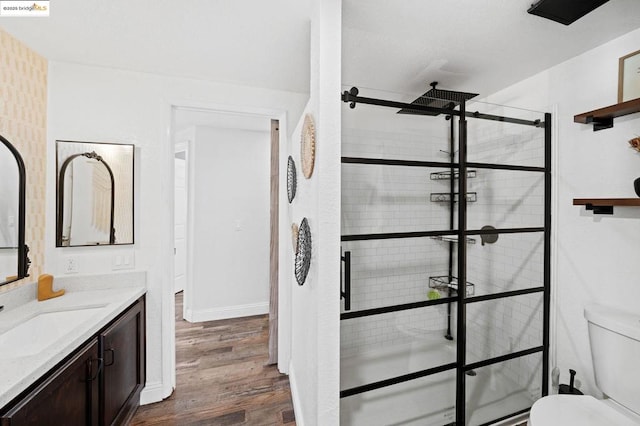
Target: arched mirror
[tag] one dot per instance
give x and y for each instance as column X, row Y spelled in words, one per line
column 94, row 194
column 14, row 262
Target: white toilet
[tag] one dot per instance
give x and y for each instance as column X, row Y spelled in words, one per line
column 615, row 350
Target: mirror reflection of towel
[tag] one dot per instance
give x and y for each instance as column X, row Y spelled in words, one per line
column 101, row 219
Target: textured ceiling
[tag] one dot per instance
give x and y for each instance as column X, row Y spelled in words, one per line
column 250, row 42
column 479, row 46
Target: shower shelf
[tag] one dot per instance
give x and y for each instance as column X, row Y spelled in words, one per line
column 452, row 239
column 442, row 197
column 447, row 175
column 442, row 283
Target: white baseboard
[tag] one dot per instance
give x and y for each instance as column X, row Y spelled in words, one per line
column 212, row 314
column 152, row 392
column 295, row 396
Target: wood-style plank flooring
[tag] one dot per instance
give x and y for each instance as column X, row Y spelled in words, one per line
column 222, row 378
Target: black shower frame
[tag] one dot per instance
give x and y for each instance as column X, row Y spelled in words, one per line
column 462, row 233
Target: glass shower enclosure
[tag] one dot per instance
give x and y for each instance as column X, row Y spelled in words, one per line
column 445, row 259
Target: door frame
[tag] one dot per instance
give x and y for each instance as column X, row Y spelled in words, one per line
column 183, row 147
column 284, row 262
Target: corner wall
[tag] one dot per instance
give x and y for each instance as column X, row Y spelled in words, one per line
column 23, row 121
column 596, row 256
column 315, row 369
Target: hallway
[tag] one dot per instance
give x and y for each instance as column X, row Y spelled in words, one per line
column 222, row 378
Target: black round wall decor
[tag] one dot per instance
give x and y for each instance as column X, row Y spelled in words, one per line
column 303, row 253
column 291, row 179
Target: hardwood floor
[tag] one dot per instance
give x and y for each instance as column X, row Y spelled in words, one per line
column 222, row 378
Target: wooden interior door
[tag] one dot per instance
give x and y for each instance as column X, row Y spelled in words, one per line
column 274, row 246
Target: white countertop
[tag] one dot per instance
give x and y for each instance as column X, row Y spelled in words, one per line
column 18, row 373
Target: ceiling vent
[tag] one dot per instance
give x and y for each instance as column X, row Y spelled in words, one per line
column 564, row 11
column 438, row 98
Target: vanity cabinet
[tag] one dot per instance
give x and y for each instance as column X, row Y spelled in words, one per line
column 98, row 384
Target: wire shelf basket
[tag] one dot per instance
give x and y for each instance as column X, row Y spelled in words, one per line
column 443, row 283
column 441, row 197
column 447, row 175
column 452, row 239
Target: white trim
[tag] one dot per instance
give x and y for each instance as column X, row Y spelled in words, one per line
column 152, row 392
column 181, row 146
column 167, row 302
column 212, row 314
column 555, row 214
column 227, row 109
column 285, row 260
column 188, row 285
column 295, row 396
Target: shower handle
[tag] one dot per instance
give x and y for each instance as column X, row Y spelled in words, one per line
column 346, row 294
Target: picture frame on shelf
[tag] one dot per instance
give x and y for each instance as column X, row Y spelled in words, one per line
column 629, row 77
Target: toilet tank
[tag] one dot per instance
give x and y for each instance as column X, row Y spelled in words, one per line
column 615, row 350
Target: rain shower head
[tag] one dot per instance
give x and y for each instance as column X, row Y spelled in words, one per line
column 438, row 98
column 564, row 11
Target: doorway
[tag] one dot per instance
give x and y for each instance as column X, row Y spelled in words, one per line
column 184, row 121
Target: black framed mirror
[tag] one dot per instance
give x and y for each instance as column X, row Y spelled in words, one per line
column 14, row 260
column 94, row 194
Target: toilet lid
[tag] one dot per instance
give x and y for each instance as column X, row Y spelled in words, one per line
column 562, row 410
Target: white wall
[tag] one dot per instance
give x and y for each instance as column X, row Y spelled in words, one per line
column 314, row 370
column 99, row 104
column 596, row 256
column 230, row 178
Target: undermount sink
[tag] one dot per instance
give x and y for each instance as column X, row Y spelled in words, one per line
column 42, row 330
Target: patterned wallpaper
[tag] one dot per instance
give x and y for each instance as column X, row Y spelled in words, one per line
column 23, row 121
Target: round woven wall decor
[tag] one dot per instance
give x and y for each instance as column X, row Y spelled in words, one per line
column 308, row 146
column 291, row 179
column 294, row 237
column 303, row 253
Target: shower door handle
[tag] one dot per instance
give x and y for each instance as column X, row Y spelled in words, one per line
column 346, row 294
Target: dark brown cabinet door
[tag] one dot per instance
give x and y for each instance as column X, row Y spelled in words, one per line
column 69, row 396
column 122, row 348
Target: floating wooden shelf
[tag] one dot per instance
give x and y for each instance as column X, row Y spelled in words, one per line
column 603, row 118
column 605, row 205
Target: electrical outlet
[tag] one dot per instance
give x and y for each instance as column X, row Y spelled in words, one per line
column 71, row 265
